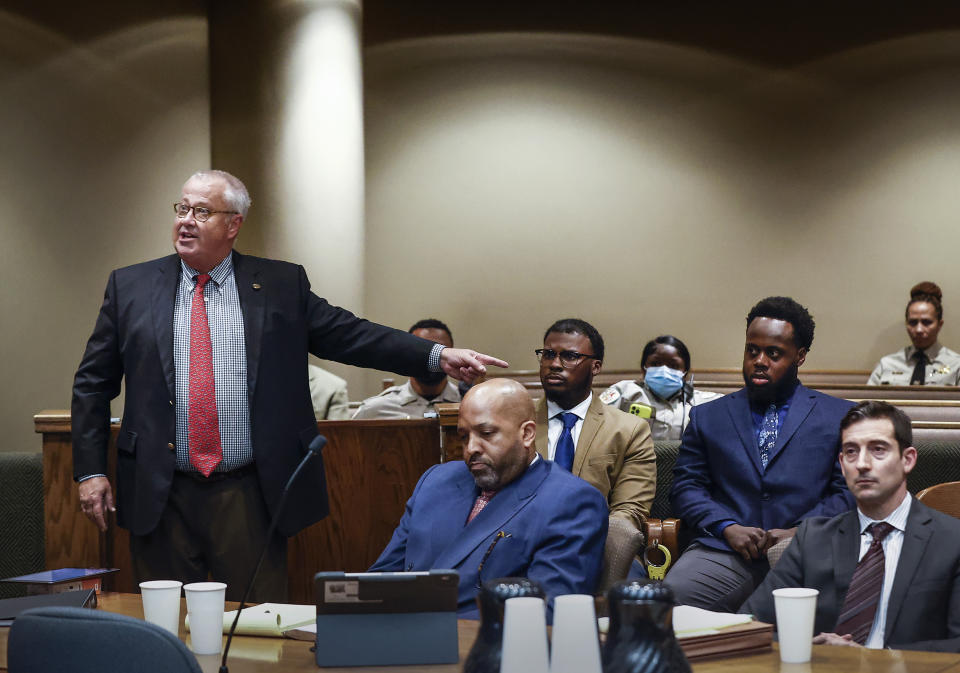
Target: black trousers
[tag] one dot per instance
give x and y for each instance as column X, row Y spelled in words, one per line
column 214, row 529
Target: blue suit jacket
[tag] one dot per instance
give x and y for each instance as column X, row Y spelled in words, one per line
column 557, row 526
column 718, row 475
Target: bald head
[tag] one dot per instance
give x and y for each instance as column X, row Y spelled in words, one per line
column 503, row 396
column 498, row 432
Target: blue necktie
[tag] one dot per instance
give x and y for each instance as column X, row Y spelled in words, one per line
column 563, row 456
column 768, row 435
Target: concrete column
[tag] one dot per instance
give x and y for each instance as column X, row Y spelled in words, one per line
column 287, row 118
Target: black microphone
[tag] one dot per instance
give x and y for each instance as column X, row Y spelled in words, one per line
column 316, row 446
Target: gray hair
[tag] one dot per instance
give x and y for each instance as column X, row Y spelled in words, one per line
column 235, row 193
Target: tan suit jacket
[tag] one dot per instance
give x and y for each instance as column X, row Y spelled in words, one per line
column 615, row 454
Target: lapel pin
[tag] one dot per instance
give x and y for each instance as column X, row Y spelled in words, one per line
column 256, row 286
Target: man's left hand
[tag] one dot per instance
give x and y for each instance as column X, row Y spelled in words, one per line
column 833, row 639
column 775, row 535
column 467, row 365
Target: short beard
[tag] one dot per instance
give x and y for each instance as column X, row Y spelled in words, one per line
column 772, row 392
column 433, row 378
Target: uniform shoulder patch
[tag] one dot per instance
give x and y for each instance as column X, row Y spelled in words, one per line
column 610, row 395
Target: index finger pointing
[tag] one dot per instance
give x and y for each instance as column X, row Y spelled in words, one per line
column 490, row 360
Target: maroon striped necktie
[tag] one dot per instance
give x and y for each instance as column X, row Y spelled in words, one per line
column 860, row 604
column 204, row 425
column 480, row 503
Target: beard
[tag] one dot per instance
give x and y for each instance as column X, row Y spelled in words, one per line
column 433, row 378
column 771, row 393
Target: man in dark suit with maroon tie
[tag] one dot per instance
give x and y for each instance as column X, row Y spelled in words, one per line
column 212, row 347
column 888, row 572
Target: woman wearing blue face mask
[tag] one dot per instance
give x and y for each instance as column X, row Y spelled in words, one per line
column 664, row 394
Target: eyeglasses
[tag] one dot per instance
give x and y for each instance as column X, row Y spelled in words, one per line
column 200, row 214
column 568, row 359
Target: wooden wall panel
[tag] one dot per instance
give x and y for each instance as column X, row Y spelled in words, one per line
column 372, row 468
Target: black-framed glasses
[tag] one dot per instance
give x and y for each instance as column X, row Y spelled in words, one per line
column 567, row 358
column 200, row 214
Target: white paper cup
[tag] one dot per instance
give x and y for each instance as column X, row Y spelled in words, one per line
column 524, row 636
column 161, row 603
column 205, row 601
column 796, row 609
column 575, row 645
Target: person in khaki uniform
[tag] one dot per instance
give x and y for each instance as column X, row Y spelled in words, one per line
column 415, row 398
column 610, row 449
column 666, row 388
column 329, row 395
column 925, row 362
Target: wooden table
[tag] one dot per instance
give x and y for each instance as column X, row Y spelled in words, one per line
column 250, row 654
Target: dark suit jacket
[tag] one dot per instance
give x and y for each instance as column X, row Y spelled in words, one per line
column 557, row 525
column 614, row 453
column 282, row 319
column 924, row 608
column 718, row 475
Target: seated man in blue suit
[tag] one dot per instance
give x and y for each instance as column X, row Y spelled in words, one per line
column 504, row 511
column 888, row 572
column 754, row 464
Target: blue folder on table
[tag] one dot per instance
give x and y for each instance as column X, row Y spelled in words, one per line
column 387, row 619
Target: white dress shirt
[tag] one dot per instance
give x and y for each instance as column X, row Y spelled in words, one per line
column 555, row 424
column 892, row 544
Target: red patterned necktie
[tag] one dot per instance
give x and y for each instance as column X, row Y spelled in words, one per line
column 860, row 604
column 205, row 449
column 480, row 503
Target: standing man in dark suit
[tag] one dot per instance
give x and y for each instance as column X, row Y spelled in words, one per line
column 888, row 572
column 213, row 348
column 755, row 463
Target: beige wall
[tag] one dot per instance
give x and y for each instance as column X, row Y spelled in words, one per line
column 511, row 180
column 103, row 116
column 648, row 188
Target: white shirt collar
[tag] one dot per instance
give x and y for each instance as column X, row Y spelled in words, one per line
column 580, row 410
column 897, row 518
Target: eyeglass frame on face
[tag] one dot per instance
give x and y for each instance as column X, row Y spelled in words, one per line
column 568, row 359
column 200, row 214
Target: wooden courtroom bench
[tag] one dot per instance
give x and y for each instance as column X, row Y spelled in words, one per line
column 371, row 466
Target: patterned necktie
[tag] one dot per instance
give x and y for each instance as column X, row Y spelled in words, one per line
column 563, row 456
column 860, row 604
column 480, row 503
column 204, row 426
column 768, row 435
column 919, row 377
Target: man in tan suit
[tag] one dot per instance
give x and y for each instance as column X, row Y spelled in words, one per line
column 606, row 447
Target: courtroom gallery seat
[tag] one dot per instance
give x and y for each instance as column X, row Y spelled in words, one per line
column 80, row 640
column 623, row 544
column 942, row 497
column 21, row 517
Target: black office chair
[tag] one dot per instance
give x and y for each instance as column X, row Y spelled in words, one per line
column 80, row 640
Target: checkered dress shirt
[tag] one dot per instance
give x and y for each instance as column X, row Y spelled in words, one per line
column 229, row 365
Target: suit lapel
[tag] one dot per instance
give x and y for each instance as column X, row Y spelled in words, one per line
column 252, row 293
column 592, row 422
column 543, row 443
column 164, row 295
column 846, row 554
column 495, row 516
column 915, row 539
column 800, row 407
column 740, row 415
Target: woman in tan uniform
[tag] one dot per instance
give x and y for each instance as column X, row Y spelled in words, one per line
column 665, row 394
column 925, row 362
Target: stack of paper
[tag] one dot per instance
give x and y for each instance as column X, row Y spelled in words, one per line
column 268, row 619
column 702, row 633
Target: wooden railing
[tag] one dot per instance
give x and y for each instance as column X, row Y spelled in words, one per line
column 372, row 468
